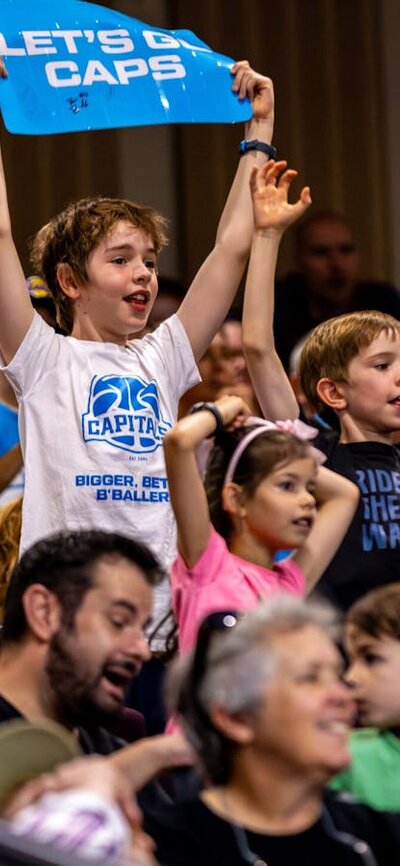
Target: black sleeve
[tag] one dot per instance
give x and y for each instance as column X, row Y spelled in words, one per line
column 188, row 834
column 174, row 846
column 381, row 830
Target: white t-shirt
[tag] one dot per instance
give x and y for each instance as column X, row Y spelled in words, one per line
column 92, row 419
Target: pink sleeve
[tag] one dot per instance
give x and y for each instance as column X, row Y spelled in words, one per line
column 196, row 591
column 291, row 578
column 207, row 567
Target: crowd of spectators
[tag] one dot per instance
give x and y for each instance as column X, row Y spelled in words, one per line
column 175, row 512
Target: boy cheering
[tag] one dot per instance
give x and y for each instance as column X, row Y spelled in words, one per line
column 94, row 406
column 349, row 365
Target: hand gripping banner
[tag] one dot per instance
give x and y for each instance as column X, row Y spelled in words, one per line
column 75, row 66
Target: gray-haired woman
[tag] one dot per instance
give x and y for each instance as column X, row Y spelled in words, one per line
column 263, row 703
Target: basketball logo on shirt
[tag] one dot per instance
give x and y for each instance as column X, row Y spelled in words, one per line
column 125, row 412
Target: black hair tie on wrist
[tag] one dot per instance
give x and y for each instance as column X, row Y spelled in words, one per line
column 210, row 407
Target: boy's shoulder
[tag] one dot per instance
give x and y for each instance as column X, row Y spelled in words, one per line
column 379, row 828
column 364, row 738
column 363, row 741
column 169, row 336
column 346, row 458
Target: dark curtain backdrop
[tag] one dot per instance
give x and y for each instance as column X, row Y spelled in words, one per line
column 325, row 57
column 45, row 173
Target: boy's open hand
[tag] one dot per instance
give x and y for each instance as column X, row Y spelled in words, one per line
column 270, row 187
column 3, row 70
column 258, row 88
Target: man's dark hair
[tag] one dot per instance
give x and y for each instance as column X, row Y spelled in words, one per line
column 314, row 218
column 66, row 563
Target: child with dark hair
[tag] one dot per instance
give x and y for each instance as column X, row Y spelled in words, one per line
column 265, row 490
column 372, row 639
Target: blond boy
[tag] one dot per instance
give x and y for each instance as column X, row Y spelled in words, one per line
column 349, row 366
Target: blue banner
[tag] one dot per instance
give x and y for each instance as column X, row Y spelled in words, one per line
column 76, row 66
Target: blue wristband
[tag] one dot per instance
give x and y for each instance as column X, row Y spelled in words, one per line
column 255, row 144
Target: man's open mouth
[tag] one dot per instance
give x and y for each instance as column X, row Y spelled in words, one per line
column 120, row 676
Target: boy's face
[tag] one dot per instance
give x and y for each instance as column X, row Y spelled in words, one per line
column 121, row 285
column 372, row 391
column 374, row 676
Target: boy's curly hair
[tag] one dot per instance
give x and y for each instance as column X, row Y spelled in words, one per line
column 73, row 234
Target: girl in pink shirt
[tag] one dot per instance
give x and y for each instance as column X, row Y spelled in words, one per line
column 265, row 491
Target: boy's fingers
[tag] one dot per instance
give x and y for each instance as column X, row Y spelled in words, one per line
column 263, row 177
column 3, row 70
column 274, row 169
column 305, row 195
column 240, row 64
column 246, row 85
column 239, row 70
column 303, row 202
column 247, row 82
column 286, row 178
column 267, row 173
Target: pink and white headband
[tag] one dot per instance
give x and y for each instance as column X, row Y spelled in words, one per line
column 260, row 425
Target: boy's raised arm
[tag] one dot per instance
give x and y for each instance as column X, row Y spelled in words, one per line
column 213, row 289
column 16, row 308
column 272, row 215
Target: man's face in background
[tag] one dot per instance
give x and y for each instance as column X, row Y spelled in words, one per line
column 328, row 259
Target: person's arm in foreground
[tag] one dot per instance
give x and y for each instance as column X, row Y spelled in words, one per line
column 213, row 289
column 16, row 308
column 116, row 777
column 272, row 215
